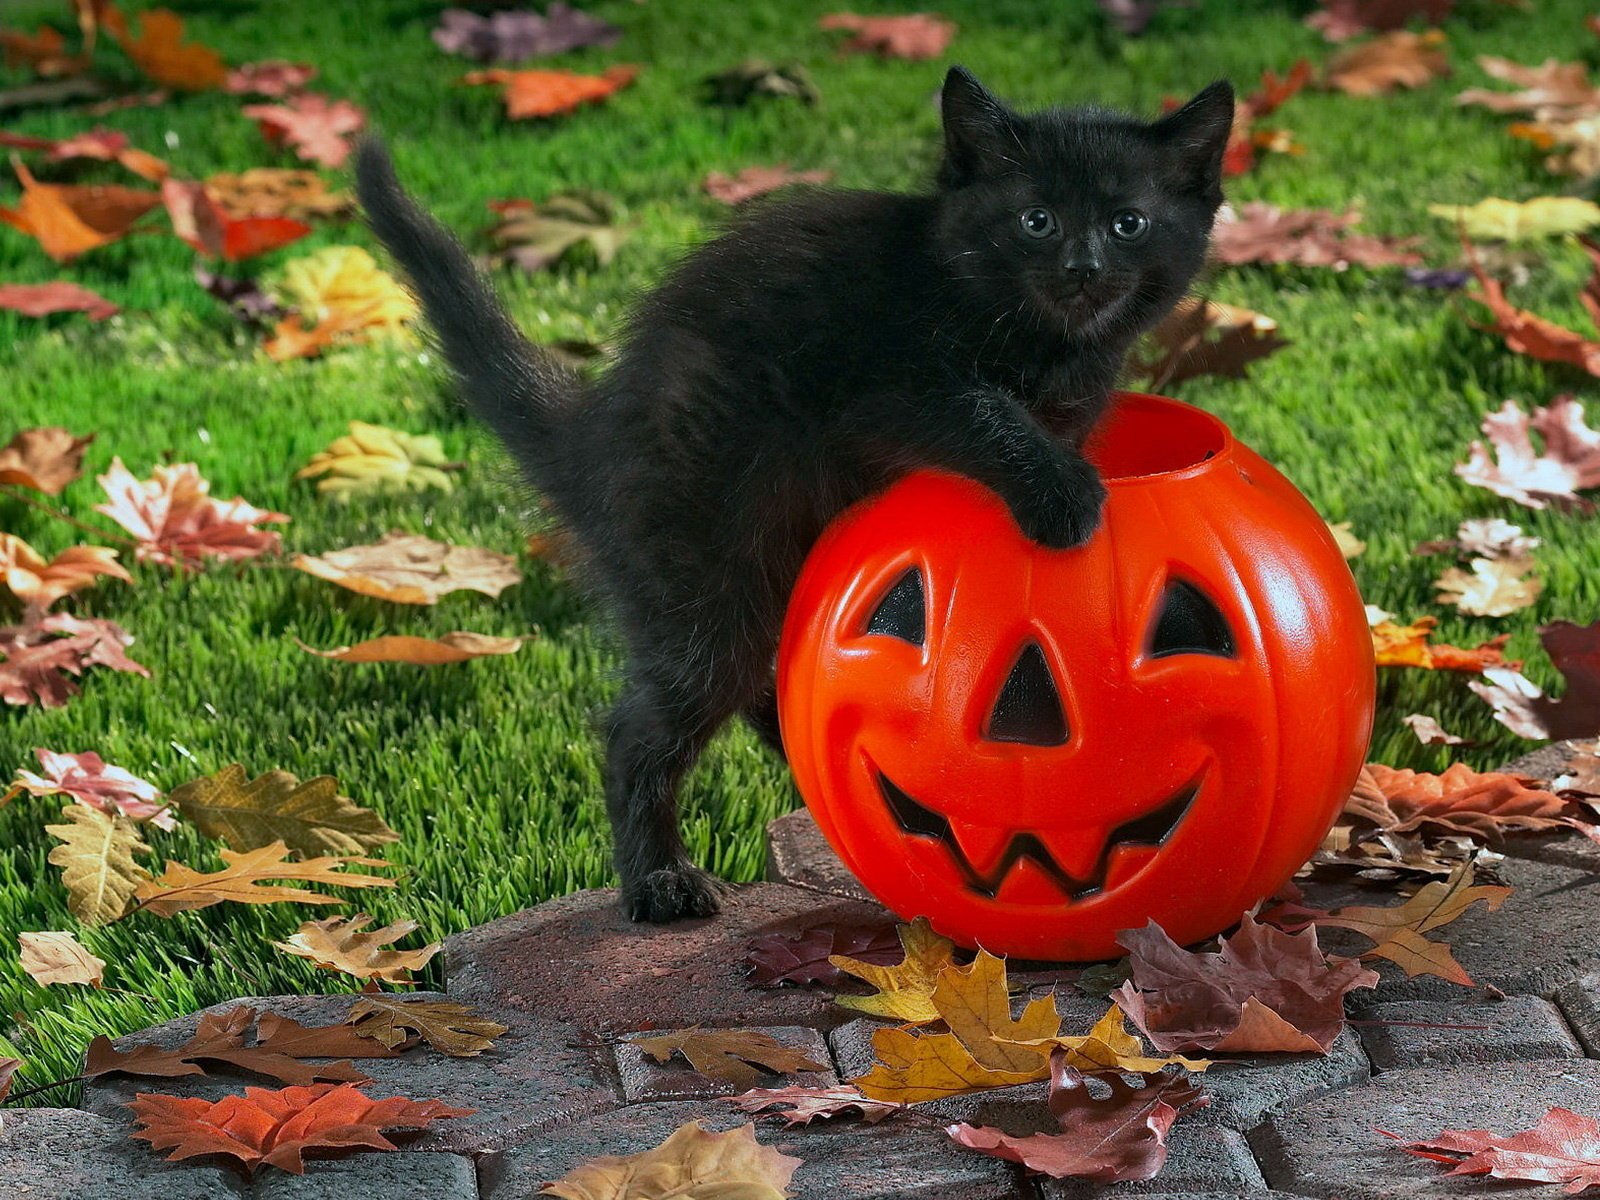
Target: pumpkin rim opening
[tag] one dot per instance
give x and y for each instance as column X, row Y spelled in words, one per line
column 1146, row 438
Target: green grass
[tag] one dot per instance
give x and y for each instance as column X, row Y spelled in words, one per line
column 489, row 770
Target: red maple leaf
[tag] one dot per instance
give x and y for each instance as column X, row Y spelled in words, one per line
column 914, row 35
column 199, row 220
column 316, row 128
column 276, row 1128
column 36, row 657
column 43, row 299
column 176, row 520
column 95, row 783
column 1564, row 1147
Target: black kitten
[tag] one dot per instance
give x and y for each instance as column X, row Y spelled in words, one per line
column 804, row 361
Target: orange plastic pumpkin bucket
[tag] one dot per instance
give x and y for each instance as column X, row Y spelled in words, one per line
column 1038, row 748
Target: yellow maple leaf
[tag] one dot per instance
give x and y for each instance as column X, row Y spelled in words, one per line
column 1111, row 1046
column 905, row 990
column 975, row 1004
column 1521, row 220
column 912, row 1068
column 377, row 459
column 345, row 281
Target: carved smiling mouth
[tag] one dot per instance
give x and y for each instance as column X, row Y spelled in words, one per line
column 1150, row 830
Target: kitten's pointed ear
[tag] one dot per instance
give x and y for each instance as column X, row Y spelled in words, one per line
column 978, row 129
column 1197, row 134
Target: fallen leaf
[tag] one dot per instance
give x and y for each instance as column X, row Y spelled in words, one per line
column 68, row 221
column 1551, row 90
column 37, row 656
column 1410, row 646
column 1513, row 696
column 102, row 145
column 1528, row 333
column 448, row 1027
column 1430, row 733
column 775, row 958
column 912, row 1068
column 43, row 52
column 1398, row 932
column 316, row 128
column 1521, row 706
column 421, row 651
column 411, row 569
column 267, row 1128
column 8, row 1071
column 1578, row 141
column 758, row 181
column 1307, row 237
column 96, row 857
column 1239, row 156
column 345, row 294
column 1400, row 59
column 1495, row 587
column 220, row 1038
column 309, row 818
column 1132, row 17
column 44, row 299
column 1484, row 537
column 345, row 944
column 1264, row 991
column 691, row 1163
column 1570, row 459
column 92, row 782
column 535, row 236
column 755, row 78
column 245, row 880
column 284, row 1035
column 200, row 221
column 974, row 1002
column 274, row 77
column 1203, row 337
column 1564, row 1147
column 1110, row 1047
column 1481, row 805
column 277, row 192
column 803, row 1105
column 905, row 989
column 551, row 93
column 38, row 583
column 374, row 459
column 727, row 1055
column 1341, row 20
column 177, row 522
column 45, row 459
column 52, row 956
column 160, row 52
column 912, row 36
column 1110, row 1138
column 243, row 297
column 516, row 36
column 1521, row 220
column 1350, row 546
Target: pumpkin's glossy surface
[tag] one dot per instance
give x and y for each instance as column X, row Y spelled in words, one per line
column 1037, row 748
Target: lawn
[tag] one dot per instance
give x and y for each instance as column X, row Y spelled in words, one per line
column 489, row 770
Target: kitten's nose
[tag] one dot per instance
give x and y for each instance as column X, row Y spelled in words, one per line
column 1081, row 266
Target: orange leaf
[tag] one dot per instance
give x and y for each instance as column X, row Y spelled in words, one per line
column 1391, row 60
column 1408, row 646
column 276, row 1128
column 43, row 52
column 159, row 52
column 200, row 221
column 551, row 93
column 39, row 584
column 45, row 459
column 1528, row 333
column 421, row 651
column 1463, row 801
column 68, row 221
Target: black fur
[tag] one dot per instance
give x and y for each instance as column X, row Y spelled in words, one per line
column 805, row 360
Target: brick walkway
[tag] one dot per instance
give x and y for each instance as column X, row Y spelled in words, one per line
column 552, row 1094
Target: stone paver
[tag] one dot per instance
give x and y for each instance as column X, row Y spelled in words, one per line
column 68, row 1154
column 1244, row 1091
column 798, row 854
column 1329, row 1148
column 579, row 960
column 644, row 1079
column 844, row 1160
column 533, row 1078
column 379, row 1176
column 1580, row 1002
column 1199, row 1157
column 1417, row 1033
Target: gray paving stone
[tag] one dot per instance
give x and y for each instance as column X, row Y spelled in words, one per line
column 1199, row 1157
column 535, row 1077
column 1580, row 1001
column 894, row 1160
column 68, row 1154
column 1541, row 938
column 1518, row 1027
column 1330, row 1147
column 798, row 854
column 1244, row 1091
column 644, row 1079
column 579, row 960
column 380, row 1176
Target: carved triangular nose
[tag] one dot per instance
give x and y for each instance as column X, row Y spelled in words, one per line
column 1028, row 709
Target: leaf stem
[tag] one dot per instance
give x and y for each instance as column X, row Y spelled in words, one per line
column 43, row 1087
column 17, row 493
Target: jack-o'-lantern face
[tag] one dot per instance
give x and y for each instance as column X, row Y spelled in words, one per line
column 1039, row 748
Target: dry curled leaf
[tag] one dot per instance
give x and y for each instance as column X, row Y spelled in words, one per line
column 45, row 459
column 267, row 1128
column 38, row 583
column 347, row 945
column 751, row 182
column 1564, row 1147
column 736, row 1056
column 200, row 221
column 905, row 989
column 309, row 818
column 420, row 651
column 1567, row 462
column 1350, row 546
column 535, row 236
column 97, row 861
column 92, row 782
column 411, row 569
column 176, row 521
column 1550, row 91
column 1481, row 805
column 448, row 1027
column 316, row 128
column 249, row 878
column 161, row 53
column 1520, row 704
column 1528, row 333
column 691, row 1163
column 1203, row 337
column 530, row 94
column 219, row 1037
column 46, row 299
column 911, row 36
column 775, row 958
column 1429, row 732
column 1400, row 59
column 803, row 1105
column 1310, row 237
column 277, row 192
column 1411, row 645
column 68, row 220
column 1494, row 587
column 1484, row 537
column 37, row 656
column 54, row 956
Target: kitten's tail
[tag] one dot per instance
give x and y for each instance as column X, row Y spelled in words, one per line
column 506, row 380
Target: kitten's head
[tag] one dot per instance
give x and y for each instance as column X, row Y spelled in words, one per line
column 1080, row 219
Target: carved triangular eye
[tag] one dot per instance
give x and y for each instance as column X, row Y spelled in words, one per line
column 902, row 612
column 1029, row 707
column 1190, row 623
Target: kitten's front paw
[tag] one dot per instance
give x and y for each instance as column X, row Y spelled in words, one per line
column 1066, row 515
column 672, row 894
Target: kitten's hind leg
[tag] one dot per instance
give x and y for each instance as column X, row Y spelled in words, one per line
column 656, row 732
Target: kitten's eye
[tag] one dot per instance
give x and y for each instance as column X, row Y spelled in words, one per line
column 1130, row 225
column 1038, row 222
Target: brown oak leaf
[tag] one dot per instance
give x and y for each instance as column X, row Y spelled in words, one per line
column 1263, row 991
column 346, row 944
column 246, row 879
column 45, row 459
column 277, row 1128
column 220, row 1038
column 736, row 1056
column 450, row 1028
column 803, row 1105
column 176, row 521
column 411, row 569
column 1400, row 59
